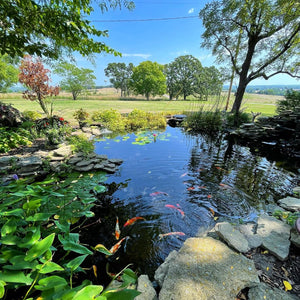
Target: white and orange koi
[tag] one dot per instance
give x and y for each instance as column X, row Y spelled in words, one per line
column 116, row 247
column 162, row 235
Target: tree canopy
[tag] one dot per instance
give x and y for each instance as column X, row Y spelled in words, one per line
column 8, row 73
column 48, row 27
column 148, row 79
column 119, row 74
column 183, row 76
column 75, row 79
column 268, row 35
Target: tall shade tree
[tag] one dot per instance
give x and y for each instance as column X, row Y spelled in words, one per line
column 8, row 73
column 35, row 77
column 75, row 80
column 119, row 76
column 184, row 76
column 148, row 79
column 266, row 33
column 47, row 27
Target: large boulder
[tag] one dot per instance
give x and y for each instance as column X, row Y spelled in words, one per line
column 205, row 268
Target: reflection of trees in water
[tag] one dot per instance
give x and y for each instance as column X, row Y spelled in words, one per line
column 215, row 161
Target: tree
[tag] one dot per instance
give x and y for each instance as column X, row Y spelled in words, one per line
column 268, row 35
column 184, row 76
column 75, row 79
column 120, row 75
column 48, row 27
column 8, row 73
column 36, row 79
column 148, row 79
column 212, row 83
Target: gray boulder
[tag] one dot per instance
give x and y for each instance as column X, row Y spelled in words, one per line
column 205, row 268
column 233, row 237
column 290, row 203
column 145, row 287
column 275, row 236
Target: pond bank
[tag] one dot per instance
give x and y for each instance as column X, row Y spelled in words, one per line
column 234, row 262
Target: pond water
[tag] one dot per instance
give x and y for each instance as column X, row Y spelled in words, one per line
column 178, row 183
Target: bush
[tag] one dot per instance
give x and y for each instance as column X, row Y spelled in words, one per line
column 243, row 117
column 292, row 100
column 139, row 119
column 31, row 115
column 80, row 143
column 13, row 138
column 111, row 119
column 204, row 121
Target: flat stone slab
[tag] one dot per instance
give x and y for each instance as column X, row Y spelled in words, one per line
column 63, row 151
column 145, row 287
column 275, row 236
column 290, row 203
column 233, row 237
column 263, row 291
column 295, row 237
column 29, row 161
column 248, row 230
column 205, row 268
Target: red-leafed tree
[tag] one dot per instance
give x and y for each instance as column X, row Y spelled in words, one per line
column 35, row 77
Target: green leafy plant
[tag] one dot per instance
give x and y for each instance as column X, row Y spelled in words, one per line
column 10, row 139
column 291, row 101
column 39, row 252
column 110, row 119
column 80, row 143
column 289, row 217
column 31, row 115
column 81, row 116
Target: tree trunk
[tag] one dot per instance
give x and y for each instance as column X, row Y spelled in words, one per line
column 148, row 96
column 74, row 95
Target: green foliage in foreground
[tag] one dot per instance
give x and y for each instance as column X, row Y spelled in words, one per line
column 38, row 250
column 287, row 216
column 80, row 143
column 135, row 120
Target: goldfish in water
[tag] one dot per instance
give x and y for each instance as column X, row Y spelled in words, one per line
column 117, row 229
column 224, row 186
column 209, row 196
column 191, row 188
column 174, row 207
column 162, row 235
column 158, row 193
column 95, row 270
column 132, row 221
column 182, row 175
column 212, row 211
column 116, row 247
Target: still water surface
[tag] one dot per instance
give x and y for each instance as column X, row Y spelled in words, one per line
column 200, row 181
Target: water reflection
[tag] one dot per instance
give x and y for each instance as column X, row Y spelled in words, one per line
column 206, row 178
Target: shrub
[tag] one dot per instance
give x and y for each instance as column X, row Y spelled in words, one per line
column 31, row 115
column 111, row 119
column 243, row 117
column 139, row 119
column 204, row 121
column 80, row 143
column 292, row 100
column 13, row 138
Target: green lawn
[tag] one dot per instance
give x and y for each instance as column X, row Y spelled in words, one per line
column 65, row 107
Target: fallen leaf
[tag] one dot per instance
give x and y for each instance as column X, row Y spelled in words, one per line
column 287, row 285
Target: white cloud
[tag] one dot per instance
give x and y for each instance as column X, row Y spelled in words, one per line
column 145, row 56
column 191, row 10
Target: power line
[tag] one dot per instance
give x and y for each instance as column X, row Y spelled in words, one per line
column 146, row 20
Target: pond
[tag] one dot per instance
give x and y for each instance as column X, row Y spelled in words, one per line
column 177, row 182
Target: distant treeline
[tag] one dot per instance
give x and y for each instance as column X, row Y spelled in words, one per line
column 268, row 89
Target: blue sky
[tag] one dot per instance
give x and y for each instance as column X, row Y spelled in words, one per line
column 158, row 40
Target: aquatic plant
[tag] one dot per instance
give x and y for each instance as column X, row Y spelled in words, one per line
column 40, row 251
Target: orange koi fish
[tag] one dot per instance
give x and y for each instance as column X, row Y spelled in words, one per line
column 201, row 187
column 116, row 247
column 95, row 270
column 224, row 186
column 132, row 221
column 162, row 235
column 174, row 207
column 158, row 193
column 209, row 196
column 191, row 188
column 212, row 211
column 117, row 229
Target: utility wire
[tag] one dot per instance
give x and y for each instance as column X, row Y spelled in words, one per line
column 146, row 20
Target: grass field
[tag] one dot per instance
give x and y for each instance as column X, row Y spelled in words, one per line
column 109, row 98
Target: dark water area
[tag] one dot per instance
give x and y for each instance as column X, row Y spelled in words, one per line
column 178, row 183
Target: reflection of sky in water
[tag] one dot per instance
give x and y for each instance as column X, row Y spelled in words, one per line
column 199, row 176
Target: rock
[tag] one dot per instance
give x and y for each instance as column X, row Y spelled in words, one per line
column 296, row 191
column 295, row 237
column 29, row 161
column 115, row 161
column 84, row 168
column 254, row 240
column 84, row 163
column 264, row 291
column 74, row 160
column 162, row 270
column 233, row 237
column 205, row 268
column 145, row 287
column 275, row 236
column 290, row 203
column 96, row 131
column 64, row 151
column 6, row 160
